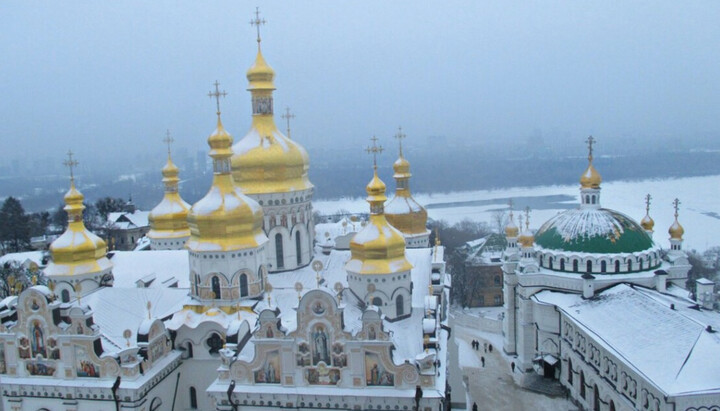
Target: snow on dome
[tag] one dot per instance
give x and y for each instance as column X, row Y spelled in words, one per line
column 593, row 231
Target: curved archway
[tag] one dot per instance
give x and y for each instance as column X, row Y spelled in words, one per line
column 215, row 282
column 562, row 264
column 65, row 295
column 617, row 266
column 279, row 254
column 243, row 285
column 575, row 266
column 603, row 266
column 399, row 305
column 589, row 266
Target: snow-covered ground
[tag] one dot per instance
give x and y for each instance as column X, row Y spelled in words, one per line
column 699, row 205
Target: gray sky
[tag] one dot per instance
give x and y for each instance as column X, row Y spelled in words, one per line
column 107, row 78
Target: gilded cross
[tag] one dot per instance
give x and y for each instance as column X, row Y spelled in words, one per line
column 374, row 150
column 257, row 22
column 647, row 204
column 168, row 140
column 287, row 117
column 217, row 94
column 70, row 163
column 590, row 141
column 676, row 205
column 527, row 218
column 400, row 136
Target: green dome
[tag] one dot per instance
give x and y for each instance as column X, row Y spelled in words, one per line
column 593, row 231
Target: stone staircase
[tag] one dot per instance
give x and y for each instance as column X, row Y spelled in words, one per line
column 542, row 385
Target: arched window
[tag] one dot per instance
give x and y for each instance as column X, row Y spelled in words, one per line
column 570, row 372
column 589, row 266
column 193, row 398
column 587, row 199
column 617, row 266
column 214, row 343
column 376, row 301
column 244, row 285
column 216, row 287
column 575, row 265
column 190, row 349
column 279, row 251
column 603, row 266
column 197, row 280
column 641, row 264
column 497, row 280
column 298, row 248
column 65, row 296
column 399, row 305
column 582, row 384
column 596, row 398
column 629, row 265
column 562, row 264
column 550, row 263
column 612, row 405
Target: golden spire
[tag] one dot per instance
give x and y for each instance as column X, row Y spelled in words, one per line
column 287, row 117
column 511, row 230
column 73, row 199
column 168, row 220
column 403, row 212
column 676, row 230
column 376, row 188
column 400, row 136
column 216, row 94
column 647, row 222
column 526, row 238
column 70, row 163
column 590, row 178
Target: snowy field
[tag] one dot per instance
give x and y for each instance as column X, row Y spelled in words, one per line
column 699, row 208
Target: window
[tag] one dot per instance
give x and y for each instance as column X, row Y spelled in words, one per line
column 193, row 398
column 562, row 264
column 155, row 404
column 582, row 384
column 399, row 305
column 214, row 343
column 593, row 199
column 596, row 398
column 570, row 372
column 216, row 287
column 376, row 301
column 244, row 285
column 497, row 280
column 589, row 266
column 298, row 248
column 498, row 299
column 629, row 265
column 65, row 296
column 575, row 265
column 603, row 266
column 550, row 263
column 612, row 405
column 279, row 250
column 617, row 266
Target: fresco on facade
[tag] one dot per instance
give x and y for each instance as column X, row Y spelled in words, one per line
column 24, row 348
column 322, row 375
column 83, row 366
column 339, row 358
column 269, row 373
column 303, row 355
column 53, row 349
column 320, row 345
column 37, row 339
column 40, row 367
column 375, row 373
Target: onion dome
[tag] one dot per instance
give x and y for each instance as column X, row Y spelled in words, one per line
column 169, row 218
column 225, row 219
column 590, row 178
column 265, row 160
column 676, row 230
column 77, row 251
column 378, row 248
column 403, row 212
column 526, row 238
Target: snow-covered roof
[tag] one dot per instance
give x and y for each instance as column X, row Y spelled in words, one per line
column 20, row 258
column 134, row 219
column 131, row 266
column 671, row 347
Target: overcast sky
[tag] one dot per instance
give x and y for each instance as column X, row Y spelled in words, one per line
column 108, row 78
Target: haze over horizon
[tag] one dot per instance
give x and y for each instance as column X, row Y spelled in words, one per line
column 107, row 79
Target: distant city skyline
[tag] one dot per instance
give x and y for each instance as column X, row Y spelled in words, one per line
column 107, row 80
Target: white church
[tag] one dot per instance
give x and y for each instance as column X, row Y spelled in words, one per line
column 232, row 308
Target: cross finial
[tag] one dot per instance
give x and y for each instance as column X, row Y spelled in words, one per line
column 288, row 116
column 257, row 22
column 520, row 220
column 400, row 136
column 374, row 150
column 217, row 94
column 168, row 140
column 70, row 163
column 648, row 197
column 590, row 141
column 676, row 205
column 510, row 204
column 527, row 218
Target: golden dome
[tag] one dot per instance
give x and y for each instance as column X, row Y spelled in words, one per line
column 77, row 251
column 526, row 239
column 403, row 212
column 647, row 223
column 225, row 219
column 590, row 178
column 265, row 160
column 511, row 230
column 378, row 248
column 676, row 231
column 169, row 218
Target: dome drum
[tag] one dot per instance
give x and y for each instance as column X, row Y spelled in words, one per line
column 595, row 264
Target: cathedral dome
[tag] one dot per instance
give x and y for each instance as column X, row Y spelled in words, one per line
column 403, row 212
column 77, row 250
column 647, row 223
column 225, row 219
column 169, row 218
column 265, row 160
column 676, row 230
column 378, row 248
column 593, row 231
column 511, row 230
column 590, row 178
